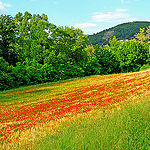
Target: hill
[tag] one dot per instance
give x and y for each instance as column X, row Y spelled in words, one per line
column 122, row 31
column 28, row 114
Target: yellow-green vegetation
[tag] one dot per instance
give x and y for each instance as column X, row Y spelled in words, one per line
column 145, row 67
column 121, row 128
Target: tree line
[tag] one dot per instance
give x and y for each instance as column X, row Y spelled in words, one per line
column 33, row 50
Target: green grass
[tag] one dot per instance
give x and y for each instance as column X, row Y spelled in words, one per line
column 32, row 93
column 118, row 129
column 124, row 128
column 8, row 96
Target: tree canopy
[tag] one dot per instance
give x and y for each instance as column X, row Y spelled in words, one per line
column 33, row 50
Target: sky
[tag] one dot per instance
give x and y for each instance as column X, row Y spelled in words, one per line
column 91, row 16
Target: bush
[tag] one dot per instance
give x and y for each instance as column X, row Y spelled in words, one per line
column 107, row 60
column 131, row 55
column 92, row 67
column 32, row 72
column 145, row 67
column 6, row 81
column 67, row 70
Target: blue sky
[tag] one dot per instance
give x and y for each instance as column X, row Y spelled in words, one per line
column 91, row 16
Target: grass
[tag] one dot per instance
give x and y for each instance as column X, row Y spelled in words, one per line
column 121, row 129
column 34, row 92
column 87, row 113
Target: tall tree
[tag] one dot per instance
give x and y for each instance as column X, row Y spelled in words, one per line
column 7, row 37
column 141, row 36
column 69, row 43
column 33, row 33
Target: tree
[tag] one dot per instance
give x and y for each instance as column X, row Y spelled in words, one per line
column 33, row 33
column 68, row 43
column 7, row 37
column 148, row 33
column 141, row 36
column 107, row 59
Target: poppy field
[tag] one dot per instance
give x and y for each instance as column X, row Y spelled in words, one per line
column 28, row 114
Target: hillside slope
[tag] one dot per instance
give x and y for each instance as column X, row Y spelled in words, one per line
column 122, row 31
column 32, row 111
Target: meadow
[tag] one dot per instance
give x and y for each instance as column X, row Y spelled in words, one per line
column 95, row 112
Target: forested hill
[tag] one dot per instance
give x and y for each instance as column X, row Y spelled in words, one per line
column 122, row 32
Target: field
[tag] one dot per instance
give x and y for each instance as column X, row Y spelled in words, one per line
column 96, row 112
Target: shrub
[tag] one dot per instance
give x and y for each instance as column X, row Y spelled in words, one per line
column 6, row 81
column 144, row 67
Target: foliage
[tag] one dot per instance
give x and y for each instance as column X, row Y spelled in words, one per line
column 131, row 55
column 5, row 77
column 125, row 31
column 7, row 37
column 33, row 50
column 145, row 67
column 107, row 59
column 141, row 36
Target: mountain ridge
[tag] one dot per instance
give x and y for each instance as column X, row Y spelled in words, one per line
column 124, row 31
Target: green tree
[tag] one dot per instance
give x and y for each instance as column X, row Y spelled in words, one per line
column 69, row 43
column 107, row 59
column 7, row 37
column 141, row 36
column 33, row 33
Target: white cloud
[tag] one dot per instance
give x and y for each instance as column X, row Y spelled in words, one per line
column 117, row 16
column 121, row 10
column 7, row 5
column 94, row 30
column 86, row 25
column 3, row 7
column 88, row 28
column 122, row 1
